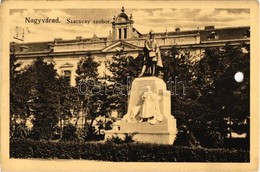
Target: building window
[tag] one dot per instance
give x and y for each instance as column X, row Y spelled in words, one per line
column 67, row 75
column 119, row 34
column 125, row 33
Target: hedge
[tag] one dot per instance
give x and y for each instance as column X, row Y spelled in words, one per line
column 127, row 152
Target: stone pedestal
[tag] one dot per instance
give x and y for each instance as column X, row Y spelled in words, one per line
column 163, row 132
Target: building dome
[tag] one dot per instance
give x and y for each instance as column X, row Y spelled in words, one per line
column 122, row 17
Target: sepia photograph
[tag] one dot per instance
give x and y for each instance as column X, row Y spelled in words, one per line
column 131, row 82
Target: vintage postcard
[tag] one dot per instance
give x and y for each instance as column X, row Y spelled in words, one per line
column 129, row 85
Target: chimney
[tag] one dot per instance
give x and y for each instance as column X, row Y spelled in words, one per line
column 210, row 27
column 50, row 47
column 56, row 40
column 24, row 48
column 79, row 38
column 177, row 29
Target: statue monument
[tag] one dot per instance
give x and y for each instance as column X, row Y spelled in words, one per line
column 149, row 104
column 152, row 56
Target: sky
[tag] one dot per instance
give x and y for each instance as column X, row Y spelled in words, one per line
column 158, row 19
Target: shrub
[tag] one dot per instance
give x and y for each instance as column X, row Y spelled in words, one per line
column 129, row 138
column 117, row 140
column 69, row 132
column 185, row 138
column 21, row 131
column 126, row 152
column 108, row 125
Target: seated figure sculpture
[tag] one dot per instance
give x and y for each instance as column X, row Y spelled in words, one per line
column 149, row 110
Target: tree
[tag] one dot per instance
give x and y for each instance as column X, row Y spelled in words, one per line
column 42, row 91
column 18, row 97
column 90, row 90
column 179, row 74
column 227, row 100
column 68, row 103
column 212, row 95
column 123, row 68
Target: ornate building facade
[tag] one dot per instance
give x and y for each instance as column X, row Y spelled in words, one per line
column 65, row 54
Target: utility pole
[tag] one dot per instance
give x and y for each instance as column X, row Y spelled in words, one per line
column 19, row 33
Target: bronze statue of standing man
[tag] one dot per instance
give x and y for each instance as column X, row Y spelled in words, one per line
column 152, row 56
